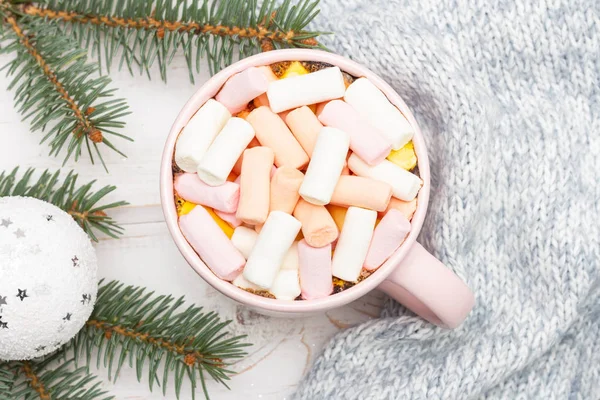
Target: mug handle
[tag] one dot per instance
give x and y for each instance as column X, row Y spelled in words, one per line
column 428, row 288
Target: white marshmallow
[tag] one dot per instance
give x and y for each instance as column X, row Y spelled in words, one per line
column 199, row 133
column 371, row 104
column 325, row 167
column 274, row 240
column 223, row 153
column 303, row 90
column 291, row 258
column 353, row 244
column 244, row 240
column 243, row 283
column 286, row 285
column 405, row 185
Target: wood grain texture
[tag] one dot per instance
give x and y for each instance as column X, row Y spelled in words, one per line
column 283, row 349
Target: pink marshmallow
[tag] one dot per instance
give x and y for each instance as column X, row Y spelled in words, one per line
column 365, row 140
column 230, row 218
column 387, row 237
column 211, row 244
column 315, row 271
column 223, row 198
column 241, row 88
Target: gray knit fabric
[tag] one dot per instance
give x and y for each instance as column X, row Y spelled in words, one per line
column 507, row 95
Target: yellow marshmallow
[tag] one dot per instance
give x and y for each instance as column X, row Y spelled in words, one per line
column 404, row 157
column 295, row 69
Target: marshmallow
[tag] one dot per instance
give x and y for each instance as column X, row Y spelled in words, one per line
column 243, row 283
column 230, row 218
column 237, row 168
column 405, row 157
column 315, row 271
column 362, row 192
column 255, row 185
column 305, row 126
column 338, row 214
column 353, row 244
column 241, row 88
column 211, row 244
column 405, row 185
column 407, row 208
column 291, row 258
column 274, row 240
column 223, row 198
column 365, row 140
column 285, row 184
column 199, row 133
column 222, row 154
column 388, row 236
column 325, row 166
column 272, row 132
column 244, row 240
column 286, row 285
column 303, row 90
column 318, row 228
column 372, row 105
column 225, row 227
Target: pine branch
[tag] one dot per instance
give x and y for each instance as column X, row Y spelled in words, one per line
column 54, row 87
column 80, row 202
column 150, row 31
column 131, row 325
column 52, row 378
column 6, row 378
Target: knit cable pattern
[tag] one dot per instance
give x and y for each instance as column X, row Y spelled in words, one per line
column 507, row 94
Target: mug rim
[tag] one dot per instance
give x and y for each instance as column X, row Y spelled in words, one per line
column 208, row 90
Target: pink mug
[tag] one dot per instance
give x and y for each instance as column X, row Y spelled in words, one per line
column 411, row 275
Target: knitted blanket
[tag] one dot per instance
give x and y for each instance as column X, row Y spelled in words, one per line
column 507, row 94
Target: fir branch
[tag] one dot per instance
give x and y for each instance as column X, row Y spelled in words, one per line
column 151, row 31
column 131, row 325
column 80, row 202
column 53, row 379
column 7, row 378
column 54, row 88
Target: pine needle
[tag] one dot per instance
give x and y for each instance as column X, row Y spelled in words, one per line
column 55, row 88
column 51, row 378
column 152, row 332
column 81, row 202
column 150, row 32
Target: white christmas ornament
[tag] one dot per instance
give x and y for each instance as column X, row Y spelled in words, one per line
column 48, row 281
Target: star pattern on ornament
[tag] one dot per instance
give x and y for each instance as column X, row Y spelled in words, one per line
column 75, row 261
column 22, row 294
column 19, row 233
column 50, row 218
column 40, row 348
column 6, row 222
column 3, row 325
column 3, row 300
column 86, row 298
column 67, row 317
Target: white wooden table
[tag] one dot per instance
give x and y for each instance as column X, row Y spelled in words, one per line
column 283, row 349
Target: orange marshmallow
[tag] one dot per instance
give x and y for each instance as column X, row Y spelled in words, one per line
column 407, row 208
column 305, row 126
column 338, row 214
column 272, row 132
column 237, row 168
column 255, row 182
column 318, row 227
column 361, row 192
column 284, row 189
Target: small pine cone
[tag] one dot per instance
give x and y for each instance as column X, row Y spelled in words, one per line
column 96, row 136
